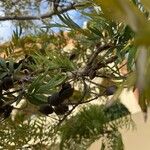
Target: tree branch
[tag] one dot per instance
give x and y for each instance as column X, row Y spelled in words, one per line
column 44, row 16
column 77, row 104
column 98, row 50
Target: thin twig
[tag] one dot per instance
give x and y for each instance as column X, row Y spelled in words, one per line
column 92, row 99
column 98, row 50
column 44, row 16
column 104, row 64
column 96, row 83
column 7, row 93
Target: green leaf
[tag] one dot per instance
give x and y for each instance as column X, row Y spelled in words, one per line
column 55, row 81
column 142, row 101
column 131, row 57
column 55, row 25
column 60, row 61
column 11, row 66
column 72, row 25
column 91, row 123
column 68, row 21
column 37, row 82
column 17, row 70
column 3, row 64
column 2, row 75
column 123, row 11
column 36, row 99
column 95, row 31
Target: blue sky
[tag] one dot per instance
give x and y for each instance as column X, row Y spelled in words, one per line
column 6, row 27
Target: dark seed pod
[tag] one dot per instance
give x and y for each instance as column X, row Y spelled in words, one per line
column 66, row 93
column 66, row 86
column 61, row 109
column 72, row 56
column 1, row 110
column 1, row 87
column 6, row 111
column 7, row 83
column 63, row 69
column 1, row 103
column 59, row 97
column 111, row 90
column 16, row 65
column 55, row 99
column 92, row 74
column 30, row 59
column 46, row 109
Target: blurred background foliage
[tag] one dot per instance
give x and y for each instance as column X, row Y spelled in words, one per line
column 49, row 81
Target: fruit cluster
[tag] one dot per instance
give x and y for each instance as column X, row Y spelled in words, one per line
column 5, row 110
column 6, row 83
column 55, row 101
